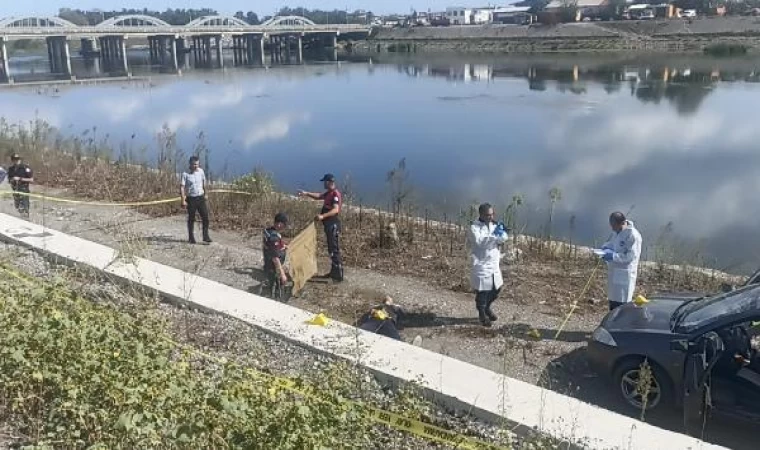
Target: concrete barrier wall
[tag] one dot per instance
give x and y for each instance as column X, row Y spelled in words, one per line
column 453, row 383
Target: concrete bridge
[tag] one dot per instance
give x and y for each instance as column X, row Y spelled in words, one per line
column 205, row 39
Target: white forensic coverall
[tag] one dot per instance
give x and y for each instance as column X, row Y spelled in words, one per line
column 624, row 267
column 486, row 274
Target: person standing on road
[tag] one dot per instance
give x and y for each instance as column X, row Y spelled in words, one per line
column 330, row 218
column 20, row 176
column 622, row 253
column 486, row 237
column 193, row 192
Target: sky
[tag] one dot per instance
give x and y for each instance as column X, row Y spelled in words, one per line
column 261, row 7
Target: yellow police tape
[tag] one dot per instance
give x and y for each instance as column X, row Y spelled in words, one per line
column 391, row 419
column 578, row 299
column 51, row 198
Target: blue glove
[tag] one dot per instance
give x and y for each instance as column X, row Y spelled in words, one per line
column 500, row 230
column 608, row 254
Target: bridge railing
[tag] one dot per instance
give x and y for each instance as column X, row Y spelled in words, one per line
column 147, row 30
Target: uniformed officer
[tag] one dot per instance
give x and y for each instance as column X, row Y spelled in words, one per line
column 193, row 192
column 20, row 176
column 330, row 218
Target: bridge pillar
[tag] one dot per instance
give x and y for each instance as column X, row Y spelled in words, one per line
column 205, row 51
column 261, row 50
column 59, row 55
column 219, row 52
column 181, row 46
column 173, row 54
column 89, row 47
column 5, row 71
column 121, row 41
column 300, row 48
column 152, row 49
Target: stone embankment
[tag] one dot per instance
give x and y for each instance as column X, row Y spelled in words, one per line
column 674, row 35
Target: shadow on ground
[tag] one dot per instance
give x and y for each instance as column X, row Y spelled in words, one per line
column 515, row 330
column 571, row 375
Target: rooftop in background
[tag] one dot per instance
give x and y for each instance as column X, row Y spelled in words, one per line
column 511, row 9
column 557, row 4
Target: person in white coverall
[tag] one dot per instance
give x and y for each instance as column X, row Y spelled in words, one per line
column 622, row 253
column 486, row 236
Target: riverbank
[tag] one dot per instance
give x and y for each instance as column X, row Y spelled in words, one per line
column 188, row 381
column 675, row 35
column 540, row 291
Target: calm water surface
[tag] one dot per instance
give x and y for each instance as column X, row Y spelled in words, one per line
column 672, row 140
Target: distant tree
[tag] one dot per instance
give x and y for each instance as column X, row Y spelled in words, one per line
column 616, row 8
column 536, row 6
column 74, row 16
column 252, row 18
column 568, row 10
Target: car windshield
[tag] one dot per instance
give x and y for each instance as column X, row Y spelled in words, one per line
column 696, row 313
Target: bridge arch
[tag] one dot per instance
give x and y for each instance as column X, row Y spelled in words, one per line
column 280, row 21
column 133, row 20
column 35, row 22
column 218, row 21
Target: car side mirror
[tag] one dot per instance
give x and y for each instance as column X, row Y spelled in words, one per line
column 681, row 345
column 725, row 287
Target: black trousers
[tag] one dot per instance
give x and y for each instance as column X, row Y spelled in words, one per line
column 484, row 299
column 383, row 327
column 332, row 232
column 197, row 205
column 21, row 202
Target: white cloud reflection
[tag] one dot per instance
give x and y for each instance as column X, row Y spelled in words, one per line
column 273, row 129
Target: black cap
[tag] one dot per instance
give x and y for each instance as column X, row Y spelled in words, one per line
column 328, row 177
column 281, row 218
column 15, row 156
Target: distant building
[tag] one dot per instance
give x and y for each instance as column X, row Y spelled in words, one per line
column 584, row 8
column 469, row 16
column 514, row 15
column 651, row 11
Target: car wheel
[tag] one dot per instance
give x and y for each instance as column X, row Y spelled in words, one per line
column 638, row 393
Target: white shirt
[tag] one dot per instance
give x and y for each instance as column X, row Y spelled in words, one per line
column 485, row 254
column 193, row 183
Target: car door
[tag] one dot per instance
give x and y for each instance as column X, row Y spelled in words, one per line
column 702, row 355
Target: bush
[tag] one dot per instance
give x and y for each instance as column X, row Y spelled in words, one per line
column 726, row 49
column 74, row 374
column 257, row 182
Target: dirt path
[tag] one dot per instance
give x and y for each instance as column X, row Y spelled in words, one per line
column 446, row 320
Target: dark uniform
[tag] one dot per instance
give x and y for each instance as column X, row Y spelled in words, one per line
column 274, row 247
column 332, row 232
column 21, row 170
column 383, row 320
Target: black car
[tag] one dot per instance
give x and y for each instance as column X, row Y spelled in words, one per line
column 675, row 350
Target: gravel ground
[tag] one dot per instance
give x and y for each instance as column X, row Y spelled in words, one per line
column 443, row 318
column 221, row 337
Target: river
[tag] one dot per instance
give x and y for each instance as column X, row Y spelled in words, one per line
column 671, row 140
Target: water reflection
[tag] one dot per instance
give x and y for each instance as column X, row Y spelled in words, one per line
column 683, row 87
column 671, row 139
